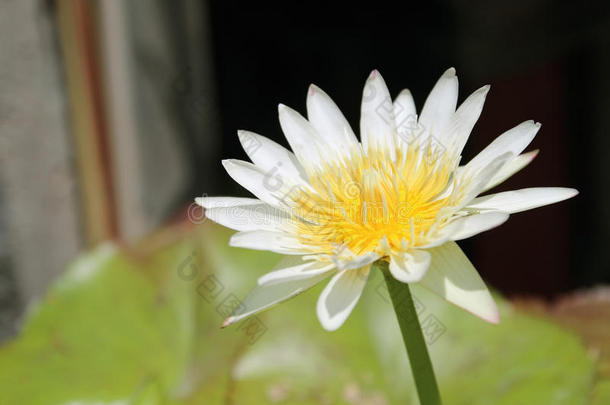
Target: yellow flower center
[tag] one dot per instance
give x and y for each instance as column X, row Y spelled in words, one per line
column 362, row 199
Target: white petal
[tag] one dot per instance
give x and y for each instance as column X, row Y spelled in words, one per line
column 511, row 167
column 264, row 297
column 250, row 217
column 440, row 104
column 471, row 225
column 514, row 140
column 405, row 115
column 476, row 180
column 277, row 242
column 217, row 202
column 376, row 115
column 292, row 268
column 409, row 266
column 461, row 123
column 329, row 121
column 522, row 200
column 270, row 156
column 346, row 260
column 304, row 140
column 340, row 297
column 453, row 277
column 272, row 188
column 404, row 106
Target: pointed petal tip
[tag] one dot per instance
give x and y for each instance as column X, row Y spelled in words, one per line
column 285, row 110
column 233, row 240
column 493, row 318
column 312, row 89
column 243, row 135
column 532, row 123
column 227, row 322
column 567, row 193
column 227, row 163
column 329, row 327
column 375, row 76
column 482, row 91
column 329, row 324
column 491, row 315
column 449, row 72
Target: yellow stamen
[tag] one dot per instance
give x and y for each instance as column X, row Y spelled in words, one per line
column 358, row 201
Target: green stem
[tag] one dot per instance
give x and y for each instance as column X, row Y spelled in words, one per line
column 413, row 338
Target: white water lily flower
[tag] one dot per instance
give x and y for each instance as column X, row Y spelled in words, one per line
column 336, row 205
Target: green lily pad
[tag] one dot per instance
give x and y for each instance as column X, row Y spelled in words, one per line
column 142, row 326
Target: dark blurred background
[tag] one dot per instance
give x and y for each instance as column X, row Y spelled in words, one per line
column 114, row 115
